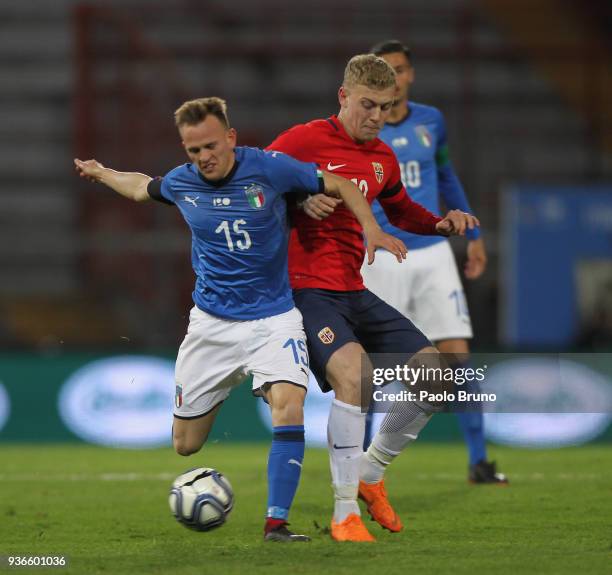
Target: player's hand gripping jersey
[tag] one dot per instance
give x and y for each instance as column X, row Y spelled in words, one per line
column 328, row 254
column 239, row 231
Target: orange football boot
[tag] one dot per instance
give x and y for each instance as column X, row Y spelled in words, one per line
column 351, row 529
column 379, row 508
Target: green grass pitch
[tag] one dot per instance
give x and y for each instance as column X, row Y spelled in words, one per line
column 107, row 510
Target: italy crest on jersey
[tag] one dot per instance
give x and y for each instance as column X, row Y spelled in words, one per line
column 255, row 196
column 424, row 135
column 379, row 172
column 178, row 396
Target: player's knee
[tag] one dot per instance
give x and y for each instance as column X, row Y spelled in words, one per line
column 185, row 449
column 435, row 383
column 349, row 391
column 346, row 372
column 290, row 412
column 347, row 388
column 455, row 352
column 183, row 446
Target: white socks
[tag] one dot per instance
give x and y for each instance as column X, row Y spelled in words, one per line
column 401, row 426
column 345, row 433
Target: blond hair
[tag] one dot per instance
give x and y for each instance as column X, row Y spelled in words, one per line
column 370, row 71
column 193, row 112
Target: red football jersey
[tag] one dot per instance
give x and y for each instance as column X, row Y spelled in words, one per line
column 328, row 254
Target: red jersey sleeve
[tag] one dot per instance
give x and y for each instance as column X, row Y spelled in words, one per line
column 293, row 142
column 403, row 212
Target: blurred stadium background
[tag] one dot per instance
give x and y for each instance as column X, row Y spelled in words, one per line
column 526, row 88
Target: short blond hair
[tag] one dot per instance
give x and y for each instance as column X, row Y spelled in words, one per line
column 193, row 112
column 368, row 70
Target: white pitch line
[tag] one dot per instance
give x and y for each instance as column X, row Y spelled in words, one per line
column 136, row 476
column 535, row 476
column 132, row 476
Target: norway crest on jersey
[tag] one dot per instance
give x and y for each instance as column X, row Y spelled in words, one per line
column 379, row 171
column 255, row 196
column 326, row 335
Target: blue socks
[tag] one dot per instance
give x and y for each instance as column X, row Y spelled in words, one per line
column 284, row 469
column 471, row 424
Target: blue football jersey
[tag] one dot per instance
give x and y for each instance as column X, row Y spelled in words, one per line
column 419, row 143
column 239, row 231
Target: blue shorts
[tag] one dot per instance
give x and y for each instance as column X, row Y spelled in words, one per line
column 334, row 318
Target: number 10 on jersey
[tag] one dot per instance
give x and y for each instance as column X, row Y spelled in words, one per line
column 411, row 174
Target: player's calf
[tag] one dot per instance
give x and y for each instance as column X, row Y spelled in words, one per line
column 285, row 459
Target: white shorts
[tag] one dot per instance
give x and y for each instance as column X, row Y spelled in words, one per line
column 217, row 354
column 426, row 288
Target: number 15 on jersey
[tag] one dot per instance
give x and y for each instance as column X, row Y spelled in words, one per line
column 244, row 240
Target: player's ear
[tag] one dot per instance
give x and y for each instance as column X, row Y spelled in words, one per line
column 411, row 73
column 231, row 136
column 342, row 96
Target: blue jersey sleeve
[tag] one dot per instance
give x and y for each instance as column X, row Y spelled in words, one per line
column 160, row 189
column 449, row 185
column 288, row 175
column 166, row 189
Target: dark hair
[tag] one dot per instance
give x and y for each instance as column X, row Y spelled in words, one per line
column 391, row 47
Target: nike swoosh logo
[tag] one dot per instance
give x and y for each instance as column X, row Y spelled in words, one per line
column 345, row 446
column 331, row 167
column 295, row 462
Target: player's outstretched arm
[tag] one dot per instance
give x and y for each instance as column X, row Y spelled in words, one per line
column 456, row 222
column 352, row 197
column 131, row 185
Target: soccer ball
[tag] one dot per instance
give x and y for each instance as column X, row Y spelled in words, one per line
column 201, row 499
